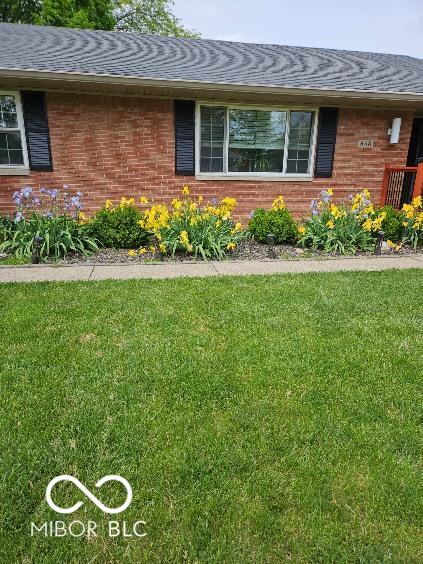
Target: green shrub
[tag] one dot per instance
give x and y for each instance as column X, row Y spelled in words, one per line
column 277, row 221
column 60, row 236
column 118, row 227
column 392, row 225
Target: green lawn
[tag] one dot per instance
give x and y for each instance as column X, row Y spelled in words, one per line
column 258, row 419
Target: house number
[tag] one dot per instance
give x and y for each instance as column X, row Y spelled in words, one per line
column 365, row 143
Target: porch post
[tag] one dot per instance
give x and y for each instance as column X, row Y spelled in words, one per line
column 418, row 183
column 385, row 184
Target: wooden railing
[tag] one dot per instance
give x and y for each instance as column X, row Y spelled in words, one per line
column 401, row 184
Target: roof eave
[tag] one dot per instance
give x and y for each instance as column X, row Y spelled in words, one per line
column 205, row 85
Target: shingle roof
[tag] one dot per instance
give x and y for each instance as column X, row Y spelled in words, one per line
column 26, row 47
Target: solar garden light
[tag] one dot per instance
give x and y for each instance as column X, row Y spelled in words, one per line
column 379, row 241
column 37, row 242
column 270, row 240
column 158, row 255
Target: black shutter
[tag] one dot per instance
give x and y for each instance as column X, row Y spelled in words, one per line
column 326, row 140
column 184, row 138
column 36, row 127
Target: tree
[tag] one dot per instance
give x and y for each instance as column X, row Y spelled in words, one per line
column 86, row 14
column 153, row 17
column 20, row 11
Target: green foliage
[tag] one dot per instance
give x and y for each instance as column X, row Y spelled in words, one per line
column 276, row 221
column 392, row 225
column 153, row 17
column 91, row 14
column 19, row 11
column 338, row 230
column 208, row 239
column 5, row 225
column 413, row 222
column 118, row 227
column 345, row 238
column 60, row 236
column 202, row 231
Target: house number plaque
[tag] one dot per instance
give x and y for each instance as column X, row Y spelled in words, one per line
column 366, row 143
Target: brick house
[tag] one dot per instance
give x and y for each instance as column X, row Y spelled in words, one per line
column 114, row 114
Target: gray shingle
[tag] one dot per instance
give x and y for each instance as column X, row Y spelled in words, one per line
column 131, row 55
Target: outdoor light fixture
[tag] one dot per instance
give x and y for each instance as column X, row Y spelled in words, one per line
column 270, row 240
column 37, row 242
column 394, row 132
column 158, row 255
column 379, row 241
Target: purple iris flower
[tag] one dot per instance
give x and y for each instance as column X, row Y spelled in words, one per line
column 26, row 191
column 18, row 217
column 314, row 207
column 17, row 198
column 76, row 203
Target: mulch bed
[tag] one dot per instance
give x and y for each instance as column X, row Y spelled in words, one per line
column 247, row 250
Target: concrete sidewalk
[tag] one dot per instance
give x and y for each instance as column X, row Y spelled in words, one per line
column 36, row 273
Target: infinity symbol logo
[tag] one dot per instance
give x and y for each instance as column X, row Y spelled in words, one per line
column 92, row 497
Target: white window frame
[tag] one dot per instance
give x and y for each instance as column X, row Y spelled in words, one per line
column 19, row 169
column 264, row 176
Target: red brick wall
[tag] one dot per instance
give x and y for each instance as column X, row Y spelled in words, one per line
column 108, row 147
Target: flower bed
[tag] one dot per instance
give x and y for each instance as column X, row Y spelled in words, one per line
column 188, row 226
column 190, row 229
column 354, row 227
column 49, row 225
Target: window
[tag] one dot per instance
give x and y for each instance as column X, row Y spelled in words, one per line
column 12, row 138
column 212, row 138
column 300, row 127
column 250, row 141
column 256, row 141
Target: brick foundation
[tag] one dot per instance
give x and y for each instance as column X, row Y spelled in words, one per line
column 108, row 147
